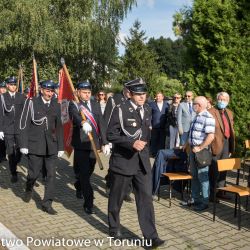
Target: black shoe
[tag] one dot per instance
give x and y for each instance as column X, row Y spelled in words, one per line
column 89, row 210
column 128, row 198
column 49, row 210
column 200, row 207
column 3, row 159
column 115, row 235
column 157, row 242
column 14, row 179
column 79, row 194
column 27, row 196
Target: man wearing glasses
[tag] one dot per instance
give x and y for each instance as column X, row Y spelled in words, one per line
column 185, row 115
column 172, row 121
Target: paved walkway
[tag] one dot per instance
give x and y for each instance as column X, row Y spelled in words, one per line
column 181, row 227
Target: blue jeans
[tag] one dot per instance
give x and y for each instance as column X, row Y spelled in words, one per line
column 200, row 182
column 184, row 138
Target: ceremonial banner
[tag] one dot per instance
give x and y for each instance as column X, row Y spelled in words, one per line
column 34, row 81
column 20, row 80
column 65, row 95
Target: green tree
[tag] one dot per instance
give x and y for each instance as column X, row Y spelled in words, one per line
column 83, row 31
column 138, row 60
column 216, row 33
column 170, row 55
column 167, row 86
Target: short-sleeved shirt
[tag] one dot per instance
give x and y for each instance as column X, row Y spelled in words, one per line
column 202, row 125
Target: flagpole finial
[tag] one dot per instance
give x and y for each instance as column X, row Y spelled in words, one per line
column 62, row 61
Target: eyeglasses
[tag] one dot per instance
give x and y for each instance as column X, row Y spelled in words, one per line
column 176, row 97
column 101, row 94
column 188, row 96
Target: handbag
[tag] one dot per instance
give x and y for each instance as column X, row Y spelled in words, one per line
column 203, row 158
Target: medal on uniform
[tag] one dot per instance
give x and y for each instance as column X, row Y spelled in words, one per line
column 130, row 109
column 134, row 124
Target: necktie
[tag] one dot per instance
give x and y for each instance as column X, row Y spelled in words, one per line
column 190, row 108
column 47, row 105
column 226, row 124
column 86, row 105
column 138, row 109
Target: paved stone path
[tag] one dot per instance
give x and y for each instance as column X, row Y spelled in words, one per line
column 182, row 228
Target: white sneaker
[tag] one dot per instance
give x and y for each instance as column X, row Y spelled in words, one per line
column 189, row 202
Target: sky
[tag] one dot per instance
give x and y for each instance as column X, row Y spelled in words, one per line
column 156, row 17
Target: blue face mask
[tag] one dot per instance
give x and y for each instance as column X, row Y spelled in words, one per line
column 222, row 104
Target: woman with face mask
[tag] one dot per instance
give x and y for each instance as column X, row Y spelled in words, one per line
column 224, row 142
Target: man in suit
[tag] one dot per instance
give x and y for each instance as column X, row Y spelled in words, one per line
column 224, row 142
column 42, row 140
column 117, row 99
column 84, row 157
column 129, row 132
column 2, row 143
column 185, row 115
column 11, row 104
column 159, row 119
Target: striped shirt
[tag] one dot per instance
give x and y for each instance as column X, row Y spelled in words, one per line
column 203, row 124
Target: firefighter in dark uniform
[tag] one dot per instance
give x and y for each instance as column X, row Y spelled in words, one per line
column 129, row 132
column 11, row 105
column 2, row 143
column 84, row 157
column 42, row 140
column 111, row 103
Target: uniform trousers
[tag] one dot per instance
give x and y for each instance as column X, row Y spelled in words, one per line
column 35, row 164
column 84, row 162
column 142, row 184
column 13, row 152
column 2, row 150
column 215, row 177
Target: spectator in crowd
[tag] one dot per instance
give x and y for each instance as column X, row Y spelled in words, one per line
column 224, row 142
column 172, row 121
column 209, row 102
column 159, row 118
column 102, row 99
column 200, row 137
column 185, row 116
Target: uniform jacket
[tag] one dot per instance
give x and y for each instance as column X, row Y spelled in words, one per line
column 9, row 121
column 111, row 103
column 218, row 142
column 40, row 139
column 159, row 118
column 80, row 140
column 184, row 118
column 125, row 159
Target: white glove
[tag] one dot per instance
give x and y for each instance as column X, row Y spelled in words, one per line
column 60, row 154
column 1, row 136
column 86, row 127
column 106, row 149
column 24, row 151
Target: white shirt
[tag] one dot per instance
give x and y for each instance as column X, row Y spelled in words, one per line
column 88, row 104
column 12, row 94
column 135, row 107
column 160, row 105
column 46, row 102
